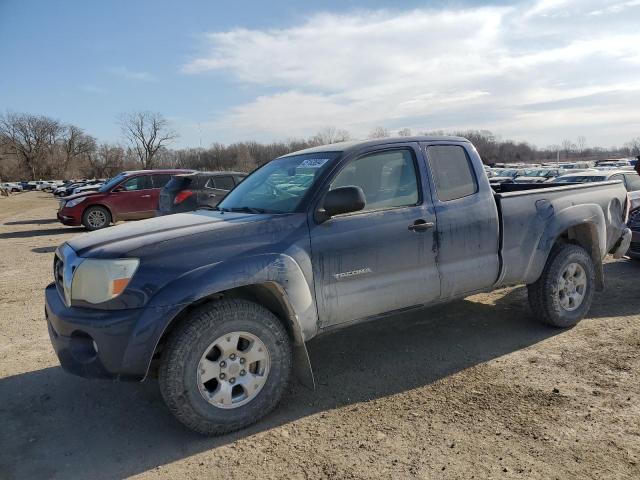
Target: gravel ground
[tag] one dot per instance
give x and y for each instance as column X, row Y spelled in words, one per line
column 474, row 389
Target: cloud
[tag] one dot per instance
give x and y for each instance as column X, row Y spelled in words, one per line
column 480, row 67
column 124, row 72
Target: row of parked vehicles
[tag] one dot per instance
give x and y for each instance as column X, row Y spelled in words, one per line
column 141, row 194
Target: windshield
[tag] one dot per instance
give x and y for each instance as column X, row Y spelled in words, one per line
column 112, row 183
column 580, row 179
column 508, row 173
column 279, row 186
column 537, row 173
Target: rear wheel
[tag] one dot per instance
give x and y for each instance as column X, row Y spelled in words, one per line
column 562, row 296
column 96, row 217
column 225, row 367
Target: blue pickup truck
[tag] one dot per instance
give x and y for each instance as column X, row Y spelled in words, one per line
column 219, row 303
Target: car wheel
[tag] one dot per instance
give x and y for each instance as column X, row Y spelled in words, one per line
column 96, row 217
column 225, row 367
column 562, row 296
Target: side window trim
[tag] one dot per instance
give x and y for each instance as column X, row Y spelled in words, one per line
column 391, row 148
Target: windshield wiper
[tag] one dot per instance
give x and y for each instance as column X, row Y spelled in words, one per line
column 247, row 210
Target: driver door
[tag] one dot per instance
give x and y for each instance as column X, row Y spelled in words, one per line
column 375, row 261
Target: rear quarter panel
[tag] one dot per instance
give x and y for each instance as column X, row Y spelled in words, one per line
column 532, row 221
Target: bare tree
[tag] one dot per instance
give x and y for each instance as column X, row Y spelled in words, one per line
column 567, row 147
column 379, row 132
column 147, row 133
column 404, row 132
column 581, row 145
column 31, row 138
column 330, row 135
column 74, row 144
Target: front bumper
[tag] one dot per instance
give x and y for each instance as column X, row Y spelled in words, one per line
column 115, row 344
column 69, row 219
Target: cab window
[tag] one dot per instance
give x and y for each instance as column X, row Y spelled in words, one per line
column 388, row 179
column 452, row 172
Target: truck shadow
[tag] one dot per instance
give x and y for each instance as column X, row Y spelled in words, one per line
column 43, row 233
column 56, row 425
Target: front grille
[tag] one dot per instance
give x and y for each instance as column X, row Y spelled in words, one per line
column 635, row 247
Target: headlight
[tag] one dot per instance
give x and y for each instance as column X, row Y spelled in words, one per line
column 74, row 202
column 96, row 281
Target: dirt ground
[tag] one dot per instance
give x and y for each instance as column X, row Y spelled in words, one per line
column 475, row 389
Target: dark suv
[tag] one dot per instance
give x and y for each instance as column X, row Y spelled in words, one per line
column 191, row 191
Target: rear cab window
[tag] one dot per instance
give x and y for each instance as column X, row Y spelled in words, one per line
column 452, row 172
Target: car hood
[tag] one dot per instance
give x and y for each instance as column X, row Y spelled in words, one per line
column 530, row 179
column 194, row 231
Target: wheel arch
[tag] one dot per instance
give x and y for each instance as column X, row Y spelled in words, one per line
column 270, row 295
column 103, row 205
column 582, row 225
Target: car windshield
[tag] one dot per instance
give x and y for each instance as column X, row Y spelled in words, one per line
column 279, row 186
column 508, row 173
column 580, row 179
column 112, row 183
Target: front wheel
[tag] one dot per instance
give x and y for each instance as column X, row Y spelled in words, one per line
column 562, row 296
column 96, row 217
column 225, row 367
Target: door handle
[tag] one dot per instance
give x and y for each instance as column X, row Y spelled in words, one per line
column 421, row 226
column 211, row 195
column 145, row 196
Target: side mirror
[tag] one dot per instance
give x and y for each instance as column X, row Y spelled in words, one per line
column 117, row 189
column 343, row 200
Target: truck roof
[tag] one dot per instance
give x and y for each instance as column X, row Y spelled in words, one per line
column 344, row 147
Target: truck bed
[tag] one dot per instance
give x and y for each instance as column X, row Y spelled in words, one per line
column 531, row 214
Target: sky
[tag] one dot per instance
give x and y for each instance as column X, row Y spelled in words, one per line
column 221, row 71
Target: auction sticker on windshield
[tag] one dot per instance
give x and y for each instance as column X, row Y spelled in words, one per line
column 313, row 162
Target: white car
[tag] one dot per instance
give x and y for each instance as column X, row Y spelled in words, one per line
column 87, row 188
column 42, row 185
column 11, row 186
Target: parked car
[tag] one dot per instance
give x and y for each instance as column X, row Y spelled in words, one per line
column 11, row 186
column 127, row 196
column 539, row 175
column 91, row 185
column 634, row 225
column 223, row 301
column 27, row 186
column 629, row 178
column 67, row 189
column 42, row 185
column 505, row 175
column 191, row 191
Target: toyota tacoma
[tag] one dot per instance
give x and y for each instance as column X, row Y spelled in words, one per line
column 220, row 303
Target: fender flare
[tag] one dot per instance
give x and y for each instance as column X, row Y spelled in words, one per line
column 585, row 224
column 280, row 271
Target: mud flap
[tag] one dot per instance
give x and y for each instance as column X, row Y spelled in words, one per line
column 302, row 366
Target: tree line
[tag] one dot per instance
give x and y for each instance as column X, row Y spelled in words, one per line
column 35, row 147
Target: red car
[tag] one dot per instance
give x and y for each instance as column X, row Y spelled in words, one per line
column 127, row 196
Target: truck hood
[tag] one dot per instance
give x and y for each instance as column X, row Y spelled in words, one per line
column 182, row 231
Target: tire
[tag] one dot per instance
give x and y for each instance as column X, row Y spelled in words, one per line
column 181, row 366
column 549, row 301
column 96, row 217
